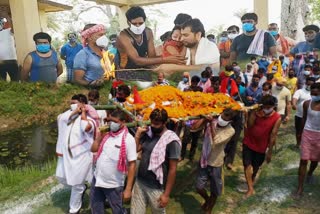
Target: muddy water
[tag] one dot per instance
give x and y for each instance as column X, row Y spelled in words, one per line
column 28, row 146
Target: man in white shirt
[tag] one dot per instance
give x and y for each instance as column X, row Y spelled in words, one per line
column 8, row 56
column 76, row 131
column 284, row 99
column 116, row 157
column 298, row 99
column 200, row 54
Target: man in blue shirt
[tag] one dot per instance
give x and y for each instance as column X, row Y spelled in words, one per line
column 253, row 91
column 68, row 52
column 310, row 32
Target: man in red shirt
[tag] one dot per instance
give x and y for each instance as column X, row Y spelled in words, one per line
column 259, row 137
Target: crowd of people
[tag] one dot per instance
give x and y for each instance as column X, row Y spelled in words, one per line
column 261, row 69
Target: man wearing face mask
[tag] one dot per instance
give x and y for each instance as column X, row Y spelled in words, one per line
column 205, row 80
column 316, row 73
column 93, row 63
column 259, row 139
column 291, row 81
column 310, row 147
column 157, row 169
column 253, row 91
column 218, row 134
column 93, row 97
column 283, row 96
column 68, row 52
column 310, row 32
column 224, row 47
column 8, row 56
column 263, row 63
column 116, row 157
column 42, row 64
column 136, row 46
column 185, row 82
column 252, row 42
column 284, row 44
column 306, row 72
column 76, row 132
column 298, row 98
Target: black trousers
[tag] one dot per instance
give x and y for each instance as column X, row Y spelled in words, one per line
column 10, row 67
column 193, row 136
column 231, row 147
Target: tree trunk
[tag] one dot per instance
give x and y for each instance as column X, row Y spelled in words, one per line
column 293, row 18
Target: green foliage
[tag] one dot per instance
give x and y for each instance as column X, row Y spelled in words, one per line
column 315, row 11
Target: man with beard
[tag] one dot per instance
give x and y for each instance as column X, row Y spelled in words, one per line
column 310, row 32
column 43, row 63
column 200, row 54
column 135, row 44
column 157, row 169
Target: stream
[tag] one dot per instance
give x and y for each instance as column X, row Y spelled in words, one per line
column 28, row 146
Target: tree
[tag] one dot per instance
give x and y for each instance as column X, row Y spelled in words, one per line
column 294, row 15
column 315, row 11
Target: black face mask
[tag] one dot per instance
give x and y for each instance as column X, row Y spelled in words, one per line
column 254, row 84
column 156, row 130
column 121, row 99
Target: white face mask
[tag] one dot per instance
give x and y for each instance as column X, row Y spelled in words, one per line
column 266, row 92
column 137, row 30
column 267, row 110
column 222, row 122
column 102, row 41
column 92, row 103
column 232, row 36
column 114, row 127
column 73, row 107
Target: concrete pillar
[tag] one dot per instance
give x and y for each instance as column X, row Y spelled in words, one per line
column 122, row 16
column 25, row 18
column 261, row 8
column 43, row 21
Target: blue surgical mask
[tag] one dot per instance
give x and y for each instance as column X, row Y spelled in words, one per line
column 43, row 48
column 248, row 27
column 315, row 98
column 72, row 40
column 185, row 79
column 204, row 79
column 273, row 32
column 223, row 39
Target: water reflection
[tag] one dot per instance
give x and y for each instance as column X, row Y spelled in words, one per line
column 31, row 145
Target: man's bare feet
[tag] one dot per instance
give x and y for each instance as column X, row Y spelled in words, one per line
column 297, row 195
column 204, row 206
column 249, row 193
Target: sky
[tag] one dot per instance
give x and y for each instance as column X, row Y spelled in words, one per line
column 212, row 13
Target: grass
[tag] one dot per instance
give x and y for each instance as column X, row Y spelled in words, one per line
column 40, row 103
column 273, row 188
column 15, row 183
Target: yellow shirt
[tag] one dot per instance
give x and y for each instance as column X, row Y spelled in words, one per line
column 291, row 84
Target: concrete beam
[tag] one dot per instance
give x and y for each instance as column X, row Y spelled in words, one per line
column 25, row 18
column 261, row 8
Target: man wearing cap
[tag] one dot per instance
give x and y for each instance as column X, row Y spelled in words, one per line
column 284, row 98
column 8, row 56
column 68, row 52
column 310, row 32
column 93, row 64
